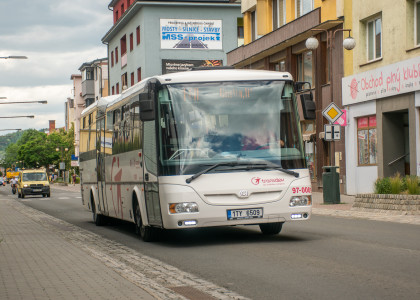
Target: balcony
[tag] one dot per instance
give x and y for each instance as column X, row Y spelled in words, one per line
column 290, row 34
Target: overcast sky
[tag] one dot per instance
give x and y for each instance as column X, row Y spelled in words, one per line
column 57, row 36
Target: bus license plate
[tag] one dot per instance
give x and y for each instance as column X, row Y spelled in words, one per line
column 248, row 213
column 36, row 190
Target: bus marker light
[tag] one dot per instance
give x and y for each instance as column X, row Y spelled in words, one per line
column 190, row 223
column 296, row 216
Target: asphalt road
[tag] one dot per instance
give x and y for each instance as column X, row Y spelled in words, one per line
column 324, row 258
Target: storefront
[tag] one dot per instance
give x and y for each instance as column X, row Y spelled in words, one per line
column 383, row 132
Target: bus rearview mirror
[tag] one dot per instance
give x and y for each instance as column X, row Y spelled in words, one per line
column 308, row 106
column 147, row 108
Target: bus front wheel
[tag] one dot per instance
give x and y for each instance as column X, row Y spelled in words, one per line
column 271, row 228
column 98, row 219
column 146, row 233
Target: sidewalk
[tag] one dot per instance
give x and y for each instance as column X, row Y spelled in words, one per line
column 344, row 210
column 37, row 263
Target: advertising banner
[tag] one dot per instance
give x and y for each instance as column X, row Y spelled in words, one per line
column 176, row 65
column 190, row 34
column 398, row 78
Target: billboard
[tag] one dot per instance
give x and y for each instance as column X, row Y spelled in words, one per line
column 191, row 34
column 177, row 65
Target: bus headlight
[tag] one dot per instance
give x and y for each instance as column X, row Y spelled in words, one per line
column 25, row 185
column 300, row 201
column 183, row 207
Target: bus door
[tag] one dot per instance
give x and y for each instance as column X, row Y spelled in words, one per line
column 100, row 164
column 150, row 161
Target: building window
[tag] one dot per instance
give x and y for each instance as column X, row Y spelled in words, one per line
column 116, row 54
column 253, row 25
column 279, row 13
column 303, row 7
column 124, row 81
column 132, row 78
column 118, row 88
column 138, row 74
column 112, row 58
column 280, row 66
column 138, row 35
column 123, row 43
column 417, row 22
column 366, row 140
column 113, row 91
column 131, row 42
column 304, row 67
column 374, row 38
column 240, row 31
column 122, row 8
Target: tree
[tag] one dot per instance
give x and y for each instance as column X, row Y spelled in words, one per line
column 11, row 155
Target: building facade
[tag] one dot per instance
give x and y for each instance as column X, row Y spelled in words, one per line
column 275, row 33
column 155, row 37
column 94, row 80
column 382, row 96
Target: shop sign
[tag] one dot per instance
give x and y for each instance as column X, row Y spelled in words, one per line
column 342, row 121
column 191, row 34
column 398, row 78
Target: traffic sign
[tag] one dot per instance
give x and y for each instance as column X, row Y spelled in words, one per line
column 332, row 112
column 332, row 132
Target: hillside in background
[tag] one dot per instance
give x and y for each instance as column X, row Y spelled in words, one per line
column 9, row 138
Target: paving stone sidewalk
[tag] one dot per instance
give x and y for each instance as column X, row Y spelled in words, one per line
column 36, row 263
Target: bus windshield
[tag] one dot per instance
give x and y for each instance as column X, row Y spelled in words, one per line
column 202, row 124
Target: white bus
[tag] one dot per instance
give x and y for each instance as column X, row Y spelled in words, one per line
column 197, row 149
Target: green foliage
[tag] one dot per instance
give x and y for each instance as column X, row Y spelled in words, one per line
column 396, row 184
column 383, row 186
column 36, row 149
column 413, row 185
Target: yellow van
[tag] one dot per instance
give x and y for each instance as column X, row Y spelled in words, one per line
column 33, row 182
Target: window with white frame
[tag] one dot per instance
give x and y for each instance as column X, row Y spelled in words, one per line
column 374, row 38
column 303, row 7
column 279, row 13
column 253, row 25
column 417, row 22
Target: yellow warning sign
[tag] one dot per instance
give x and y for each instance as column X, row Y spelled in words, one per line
column 332, row 112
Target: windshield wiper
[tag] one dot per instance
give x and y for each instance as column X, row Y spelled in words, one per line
column 227, row 164
column 247, row 166
column 270, row 166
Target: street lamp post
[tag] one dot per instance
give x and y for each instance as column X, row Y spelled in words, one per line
column 62, row 149
column 18, row 129
column 14, row 57
column 312, row 44
column 24, row 102
column 11, row 117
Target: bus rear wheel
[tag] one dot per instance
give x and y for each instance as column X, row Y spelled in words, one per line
column 271, row 228
column 147, row 233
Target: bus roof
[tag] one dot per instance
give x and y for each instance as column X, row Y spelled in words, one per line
column 100, row 102
column 222, row 75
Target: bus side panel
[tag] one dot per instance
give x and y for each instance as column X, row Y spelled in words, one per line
column 88, row 180
column 123, row 172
